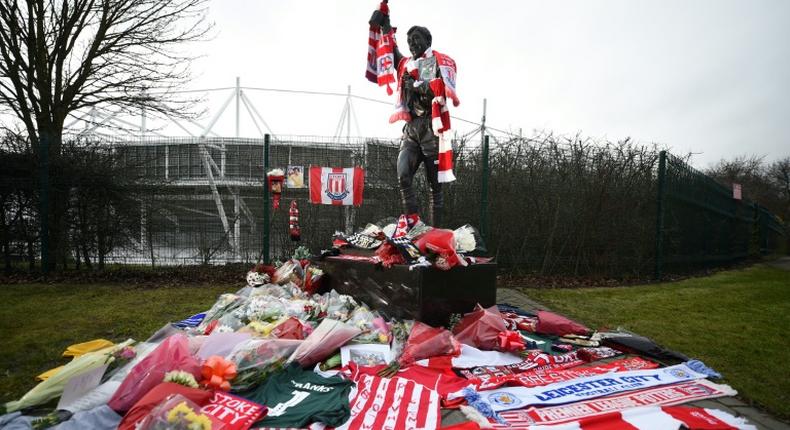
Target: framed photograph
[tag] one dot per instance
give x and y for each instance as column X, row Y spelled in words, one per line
column 294, row 177
column 370, row 354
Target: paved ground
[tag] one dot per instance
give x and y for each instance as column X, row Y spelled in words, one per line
column 780, row 263
column 733, row 405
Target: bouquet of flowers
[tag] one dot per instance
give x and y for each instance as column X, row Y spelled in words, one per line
column 399, row 332
column 225, row 304
column 178, row 413
column 182, row 378
column 172, row 354
column 290, row 328
column 424, row 342
column 290, row 271
column 259, row 329
column 374, row 328
column 273, row 290
column 256, row 359
column 301, row 253
column 323, row 342
column 263, row 308
column 299, row 308
column 336, row 306
column 313, row 276
column 480, row 328
column 256, row 279
column 468, row 239
column 116, row 359
column 54, row 385
column 440, row 242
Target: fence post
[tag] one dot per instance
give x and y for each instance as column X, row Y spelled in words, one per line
column 266, row 140
column 484, row 193
column 761, row 221
column 660, row 197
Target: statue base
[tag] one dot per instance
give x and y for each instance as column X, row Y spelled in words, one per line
column 425, row 294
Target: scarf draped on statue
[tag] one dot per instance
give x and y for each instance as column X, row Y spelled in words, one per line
column 381, row 69
column 381, row 55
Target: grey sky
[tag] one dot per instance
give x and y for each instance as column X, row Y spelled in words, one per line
column 709, row 77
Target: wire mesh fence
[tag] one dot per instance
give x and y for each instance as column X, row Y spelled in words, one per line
column 545, row 204
column 704, row 225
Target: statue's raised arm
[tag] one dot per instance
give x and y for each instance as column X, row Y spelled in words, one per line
column 381, row 19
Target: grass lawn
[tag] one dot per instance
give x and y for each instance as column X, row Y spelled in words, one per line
column 38, row 321
column 736, row 322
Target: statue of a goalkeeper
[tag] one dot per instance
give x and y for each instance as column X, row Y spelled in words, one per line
column 424, row 82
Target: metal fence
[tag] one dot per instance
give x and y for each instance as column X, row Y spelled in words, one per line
column 700, row 224
column 544, row 204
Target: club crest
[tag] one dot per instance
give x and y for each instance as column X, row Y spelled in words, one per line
column 336, row 186
column 678, row 373
column 503, row 399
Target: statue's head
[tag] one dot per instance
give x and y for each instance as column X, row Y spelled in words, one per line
column 419, row 39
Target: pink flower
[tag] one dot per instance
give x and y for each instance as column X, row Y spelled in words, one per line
column 127, row 353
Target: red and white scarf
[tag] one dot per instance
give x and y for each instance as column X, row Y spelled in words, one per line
column 659, row 396
column 442, row 88
column 653, row 418
column 381, row 55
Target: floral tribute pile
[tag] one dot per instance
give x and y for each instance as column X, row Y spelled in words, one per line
column 411, row 242
column 275, row 354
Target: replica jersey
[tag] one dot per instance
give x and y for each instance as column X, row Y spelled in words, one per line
column 296, row 398
column 390, row 404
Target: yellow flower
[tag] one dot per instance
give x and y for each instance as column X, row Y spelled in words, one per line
column 201, row 422
column 181, row 410
column 260, row 328
column 180, row 377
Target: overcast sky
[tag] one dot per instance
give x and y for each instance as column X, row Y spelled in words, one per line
column 709, row 77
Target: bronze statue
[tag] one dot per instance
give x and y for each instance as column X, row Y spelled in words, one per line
column 420, row 142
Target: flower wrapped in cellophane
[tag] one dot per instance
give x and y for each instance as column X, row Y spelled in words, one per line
column 256, row 359
column 225, row 304
column 336, row 306
column 424, row 342
column 313, row 277
column 54, row 385
column 399, row 332
column 290, row 271
column 172, row 354
column 480, row 328
column 262, row 308
column 280, row 291
column 374, row 328
column 327, row 338
column 179, row 413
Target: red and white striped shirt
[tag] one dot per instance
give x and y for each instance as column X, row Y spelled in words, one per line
column 396, row 403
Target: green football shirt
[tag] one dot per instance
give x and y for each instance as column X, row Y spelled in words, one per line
column 297, row 397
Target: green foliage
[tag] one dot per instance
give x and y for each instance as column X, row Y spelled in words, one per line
column 734, row 321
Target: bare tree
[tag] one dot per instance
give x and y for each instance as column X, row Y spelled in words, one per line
column 57, row 57
column 779, row 175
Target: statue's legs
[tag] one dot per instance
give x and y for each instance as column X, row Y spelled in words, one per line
column 437, row 197
column 420, row 145
column 409, row 159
